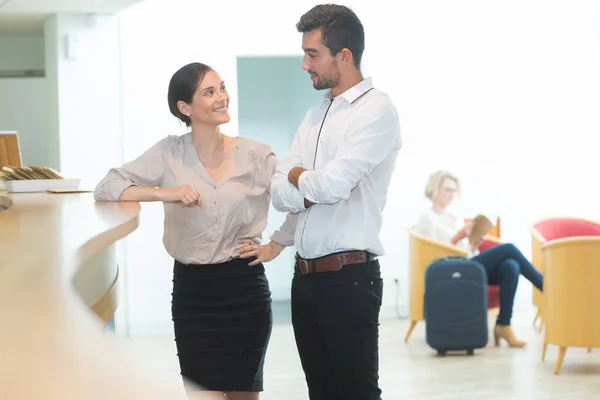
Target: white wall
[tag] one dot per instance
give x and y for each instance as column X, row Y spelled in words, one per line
column 504, row 95
column 84, row 93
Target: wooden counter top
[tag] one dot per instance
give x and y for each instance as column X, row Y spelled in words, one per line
column 51, row 345
column 51, row 235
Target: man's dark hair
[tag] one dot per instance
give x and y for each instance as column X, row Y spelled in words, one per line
column 340, row 27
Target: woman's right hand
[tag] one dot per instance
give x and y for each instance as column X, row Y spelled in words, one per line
column 185, row 195
column 264, row 253
column 466, row 230
column 462, row 233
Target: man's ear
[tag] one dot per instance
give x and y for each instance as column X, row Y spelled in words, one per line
column 346, row 56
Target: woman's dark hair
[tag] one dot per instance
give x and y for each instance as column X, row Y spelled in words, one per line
column 183, row 85
column 340, row 27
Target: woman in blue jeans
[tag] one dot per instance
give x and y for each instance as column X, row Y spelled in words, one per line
column 503, row 263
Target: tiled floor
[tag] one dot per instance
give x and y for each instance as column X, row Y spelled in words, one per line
column 413, row 371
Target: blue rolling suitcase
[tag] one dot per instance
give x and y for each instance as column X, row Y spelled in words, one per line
column 456, row 305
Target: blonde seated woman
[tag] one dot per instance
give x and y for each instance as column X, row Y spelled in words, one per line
column 503, row 263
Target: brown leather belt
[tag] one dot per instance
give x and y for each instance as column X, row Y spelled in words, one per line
column 333, row 262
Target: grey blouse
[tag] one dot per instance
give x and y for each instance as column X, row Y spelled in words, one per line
column 234, row 208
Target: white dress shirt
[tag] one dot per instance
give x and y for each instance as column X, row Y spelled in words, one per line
column 356, row 138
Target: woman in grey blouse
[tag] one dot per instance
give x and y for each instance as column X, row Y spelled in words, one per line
column 215, row 191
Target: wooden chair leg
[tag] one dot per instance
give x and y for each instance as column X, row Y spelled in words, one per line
column 413, row 323
column 541, row 323
column 559, row 360
column 589, row 349
column 544, row 348
column 538, row 314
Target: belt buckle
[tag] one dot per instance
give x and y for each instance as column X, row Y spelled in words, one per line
column 303, row 265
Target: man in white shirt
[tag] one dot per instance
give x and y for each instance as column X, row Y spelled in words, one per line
column 335, row 181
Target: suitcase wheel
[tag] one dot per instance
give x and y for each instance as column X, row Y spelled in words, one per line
column 441, row 352
column 470, row 352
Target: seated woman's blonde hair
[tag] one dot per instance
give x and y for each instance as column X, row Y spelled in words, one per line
column 435, row 180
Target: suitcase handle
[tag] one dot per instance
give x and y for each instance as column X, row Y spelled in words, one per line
column 448, row 258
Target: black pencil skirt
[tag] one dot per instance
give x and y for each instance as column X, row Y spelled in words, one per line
column 223, row 319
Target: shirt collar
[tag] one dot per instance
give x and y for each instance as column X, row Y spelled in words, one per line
column 351, row 94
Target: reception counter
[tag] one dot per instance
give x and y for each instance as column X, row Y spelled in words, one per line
column 58, row 276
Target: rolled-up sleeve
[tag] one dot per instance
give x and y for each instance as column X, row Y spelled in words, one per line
column 146, row 170
column 285, row 234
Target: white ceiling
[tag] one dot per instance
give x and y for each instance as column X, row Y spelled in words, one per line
column 26, row 17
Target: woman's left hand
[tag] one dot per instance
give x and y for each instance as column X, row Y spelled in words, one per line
column 475, row 244
column 263, row 253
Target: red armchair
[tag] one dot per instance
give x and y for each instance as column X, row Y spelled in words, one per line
column 553, row 229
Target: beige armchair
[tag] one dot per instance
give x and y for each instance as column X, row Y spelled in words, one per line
column 537, row 240
column 571, row 301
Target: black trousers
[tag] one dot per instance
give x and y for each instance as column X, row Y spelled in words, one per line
column 336, row 326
